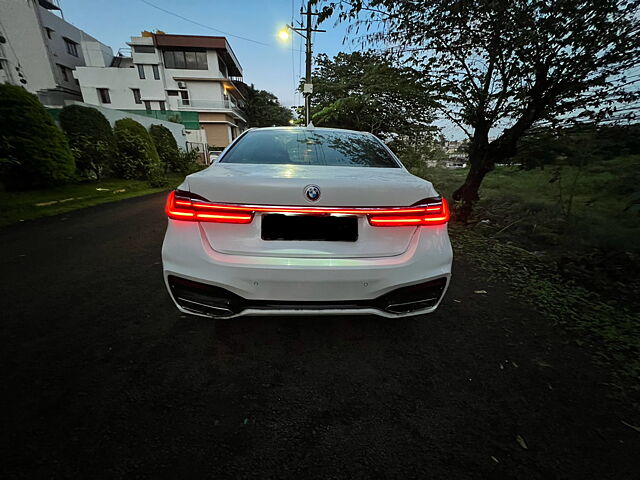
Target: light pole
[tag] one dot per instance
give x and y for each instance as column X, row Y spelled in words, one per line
column 307, row 89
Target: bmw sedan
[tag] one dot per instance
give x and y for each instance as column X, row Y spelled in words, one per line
column 306, row 221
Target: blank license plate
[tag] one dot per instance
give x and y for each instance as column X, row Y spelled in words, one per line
column 324, row 228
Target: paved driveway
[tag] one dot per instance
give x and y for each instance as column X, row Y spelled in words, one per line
column 102, row 377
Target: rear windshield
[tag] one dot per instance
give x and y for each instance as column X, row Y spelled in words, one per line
column 307, row 147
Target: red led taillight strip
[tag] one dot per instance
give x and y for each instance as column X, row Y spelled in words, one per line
column 184, row 208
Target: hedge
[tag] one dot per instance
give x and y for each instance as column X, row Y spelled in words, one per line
column 33, row 150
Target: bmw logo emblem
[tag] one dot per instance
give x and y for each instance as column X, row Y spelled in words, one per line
column 312, row 192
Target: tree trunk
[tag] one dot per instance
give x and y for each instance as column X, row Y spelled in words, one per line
column 481, row 162
column 467, row 194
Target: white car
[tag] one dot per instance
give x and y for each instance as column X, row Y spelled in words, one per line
column 306, row 221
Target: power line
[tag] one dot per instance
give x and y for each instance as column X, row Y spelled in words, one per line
column 203, row 25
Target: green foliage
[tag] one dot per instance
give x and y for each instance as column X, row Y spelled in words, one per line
column 90, row 137
column 582, row 273
column 577, row 145
column 33, row 150
column 166, row 146
column 418, row 151
column 608, row 326
column 262, row 108
column 187, row 162
column 366, row 92
column 136, row 154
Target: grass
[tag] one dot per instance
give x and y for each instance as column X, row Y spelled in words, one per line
column 577, row 266
column 18, row 206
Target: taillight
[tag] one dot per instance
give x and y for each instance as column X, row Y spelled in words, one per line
column 429, row 214
column 190, row 207
column 184, row 208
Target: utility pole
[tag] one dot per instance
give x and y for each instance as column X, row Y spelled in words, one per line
column 308, row 86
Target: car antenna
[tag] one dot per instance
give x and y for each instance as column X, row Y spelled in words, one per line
column 310, row 125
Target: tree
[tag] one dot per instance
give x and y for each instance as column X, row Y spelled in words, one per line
column 509, row 64
column 136, row 155
column 90, row 138
column 263, row 108
column 166, row 146
column 33, row 150
column 366, row 92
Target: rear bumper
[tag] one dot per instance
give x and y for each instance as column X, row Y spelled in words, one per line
column 261, row 285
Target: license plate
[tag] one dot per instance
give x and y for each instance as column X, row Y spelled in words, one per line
column 321, row 228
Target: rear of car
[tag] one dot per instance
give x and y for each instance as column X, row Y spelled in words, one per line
column 306, row 221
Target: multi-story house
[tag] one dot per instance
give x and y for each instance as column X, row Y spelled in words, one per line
column 39, row 50
column 184, row 78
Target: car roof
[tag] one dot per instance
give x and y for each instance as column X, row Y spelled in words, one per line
column 311, row 129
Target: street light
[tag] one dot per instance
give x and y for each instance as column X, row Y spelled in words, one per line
column 308, row 29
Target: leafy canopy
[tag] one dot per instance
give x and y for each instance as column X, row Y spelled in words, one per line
column 263, row 108
column 364, row 91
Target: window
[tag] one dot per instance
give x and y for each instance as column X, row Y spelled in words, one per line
column 156, row 72
column 185, row 97
column 136, row 95
column 147, row 105
column 72, row 47
column 141, row 72
column 144, row 49
column 192, row 59
column 223, row 67
column 172, row 93
column 49, row 32
column 103, row 94
column 162, row 107
column 300, row 147
column 63, row 72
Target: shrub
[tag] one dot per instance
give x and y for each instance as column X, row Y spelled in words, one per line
column 186, row 162
column 90, row 137
column 166, row 146
column 34, row 151
column 136, row 156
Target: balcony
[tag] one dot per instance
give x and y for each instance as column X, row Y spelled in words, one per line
column 210, row 105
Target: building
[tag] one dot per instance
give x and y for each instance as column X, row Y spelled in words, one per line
column 40, row 50
column 184, row 78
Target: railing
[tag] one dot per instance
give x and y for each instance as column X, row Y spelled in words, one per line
column 195, row 104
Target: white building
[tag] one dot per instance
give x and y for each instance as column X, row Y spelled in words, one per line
column 39, row 50
column 183, row 78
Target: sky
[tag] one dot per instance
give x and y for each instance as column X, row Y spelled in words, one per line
column 271, row 65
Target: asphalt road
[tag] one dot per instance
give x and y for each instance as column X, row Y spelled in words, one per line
column 103, row 378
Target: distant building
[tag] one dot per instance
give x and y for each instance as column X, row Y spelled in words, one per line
column 39, row 50
column 456, row 154
column 184, row 78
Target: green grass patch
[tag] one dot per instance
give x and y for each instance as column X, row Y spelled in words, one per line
column 609, row 328
column 19, row 206
column 564, row 242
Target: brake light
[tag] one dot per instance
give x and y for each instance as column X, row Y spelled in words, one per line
column 190, row 207
column 183, row 208
column 431, row 214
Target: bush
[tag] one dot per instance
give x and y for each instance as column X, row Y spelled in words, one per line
column 166, row 146
column 136, row 156
column 186, row 162
column 90, row 137
column 33, row 150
